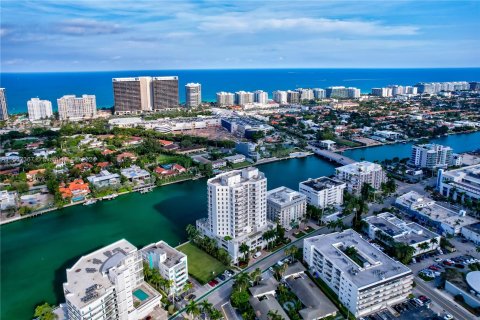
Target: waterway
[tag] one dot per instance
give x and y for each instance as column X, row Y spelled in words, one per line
column 35, row 252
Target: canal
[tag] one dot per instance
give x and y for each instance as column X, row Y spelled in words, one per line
column 35, row 252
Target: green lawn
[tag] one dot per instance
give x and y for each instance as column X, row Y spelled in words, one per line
column 240, row 165
column 200, row 264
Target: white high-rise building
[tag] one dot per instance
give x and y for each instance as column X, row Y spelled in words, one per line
column 3, row 105
column 171, row 263
column 342, row 92
column 305, row 94
column 382, row 92
column 260, row 96
column 193, row 94
column 431, row 156
column 410, row 90
column 243, row 97
column 39, row 109
column 323, row 192
column 108, row 284
column 358, row 173
column 73, row 108
column 396, row 90
column 280, row 96
column 225, row 99
column 319, row 93
column 286, row 206
column 364, row 278
column 237, row 210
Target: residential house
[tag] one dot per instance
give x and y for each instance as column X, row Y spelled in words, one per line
column 8, row 200
column 136, row 175
column 126, row 155
column 105, row 179
column 35, row 176
column 76, row 190
column 83, row 167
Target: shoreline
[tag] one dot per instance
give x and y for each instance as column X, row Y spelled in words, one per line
column 302, row 154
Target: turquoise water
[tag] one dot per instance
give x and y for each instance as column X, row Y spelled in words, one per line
column 20, row 87
column 140, row 294
column 35, row 252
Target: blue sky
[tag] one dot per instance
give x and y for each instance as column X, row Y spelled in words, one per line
column 81, row 35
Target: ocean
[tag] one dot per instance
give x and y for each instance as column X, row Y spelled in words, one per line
column 20, row 87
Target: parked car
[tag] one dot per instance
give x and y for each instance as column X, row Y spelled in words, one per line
column 448, row 317
column 459, row 266
column 257, row 255
column 438, row 259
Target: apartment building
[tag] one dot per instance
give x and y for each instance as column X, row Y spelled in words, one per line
column 3, row 105
column 39, row 109
column 193, row 94
column 364, row 278
column 305, row 94
column 431, row 156
column 293, row 96
column 382, row 92
column 72, row 108
column 323, row 192
column 319, row 93
column 260, row 96
column 225, row 99
column 243, row 97
column 136, row 95
column 463, row 182
column 280, row 96
column 358, row 173
column 108, row 284
column 286, row 207
column 237, row 210
column 342, row 92
column 386, row 226
column 171, row 263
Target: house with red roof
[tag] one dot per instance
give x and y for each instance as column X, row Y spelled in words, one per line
column 178, row 168
column 75, row 190
column 165, row 143
column 107, row 152
column 35, row 176
column 103, row 165
column 126, row 155
column 84, row 166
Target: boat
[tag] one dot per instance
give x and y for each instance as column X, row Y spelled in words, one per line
column 110, row 196
column 89, row 202
column 145, row 190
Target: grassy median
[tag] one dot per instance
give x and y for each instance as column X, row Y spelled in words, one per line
column 201, row 265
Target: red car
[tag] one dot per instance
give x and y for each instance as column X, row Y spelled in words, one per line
column 433, row 268
column 447, row 263
column 213, row 283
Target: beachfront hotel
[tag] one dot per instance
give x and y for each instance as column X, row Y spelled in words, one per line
column 109, row 284
column 137, row 95
column 171, row 263
column 364, row 278
column 39, row 109
column 358, row 173
column 323, row 192
column 74, row 109
column 286, row 206
column 225, row 99
column 237, row 210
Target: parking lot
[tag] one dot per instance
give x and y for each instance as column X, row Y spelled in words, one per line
column 409, row 310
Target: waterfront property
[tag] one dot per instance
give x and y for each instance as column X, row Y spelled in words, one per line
column 108, row 284
column 8, row 200
column 105, row 179
column 431, row 156
column 323, row 192
column 171, row 263
column 365, row 279
column 386, row 227
column 429, row 212
column 201, row 265
column 461, row 183
column 286, row 206
column 76, row 190
column 136, row 175
column 237, row 210
column 359, row 173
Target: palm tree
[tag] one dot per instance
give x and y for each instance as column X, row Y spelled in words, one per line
column 215, row 315
column 192, row 232
column 274, row 315
column 192, row 309
column 244, row 248
column 256, row 275
column 291, row 252
column 187, row 287
column 331, row 225
column 206, row 306
column 242, row 280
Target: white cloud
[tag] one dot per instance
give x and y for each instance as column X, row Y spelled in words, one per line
column 80, row 27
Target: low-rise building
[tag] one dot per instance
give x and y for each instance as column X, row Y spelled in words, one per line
column 359, row 173
column 136, row 175
column 472, row 233
column 220, row 163
column 463, row 182
column 109, row 284
column 389, row 135
column 76, row 190
column 386, row 227
column 238, row 158
column 364, row 278
column 323, row 192
column 105, row 179
column 8, row 200
column 327, row 144
column 171, row 263
column 286, row 206
column 427, row 211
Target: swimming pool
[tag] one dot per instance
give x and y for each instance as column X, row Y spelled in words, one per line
column 140, row 294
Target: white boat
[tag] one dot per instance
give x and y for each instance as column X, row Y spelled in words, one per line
column 89, row 202
column 110, row 197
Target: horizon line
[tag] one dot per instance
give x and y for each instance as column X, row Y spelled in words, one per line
column 249, row 68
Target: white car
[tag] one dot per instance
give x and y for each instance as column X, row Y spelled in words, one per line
column 448, row 317
column 438, row 260
column 257, row 254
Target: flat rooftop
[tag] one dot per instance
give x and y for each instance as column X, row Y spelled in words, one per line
column 173, row 256
column 91, row 271
column 283, row 195
column 408, row 233
column 360, row 167
column 237, row 177
column 322, row 183
column 377, row 266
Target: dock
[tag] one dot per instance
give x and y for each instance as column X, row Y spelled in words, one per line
column 331, row 156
